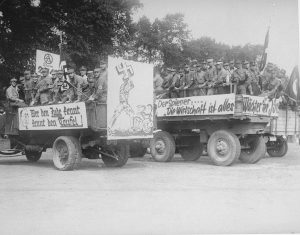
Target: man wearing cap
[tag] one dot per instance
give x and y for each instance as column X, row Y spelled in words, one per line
column 12, row 95
column 27, row 87
column 60, row 89
column 210, row 76
column 175, row 85
column 227, row 69
column 221, row 79
column 240, row 77
column 188, row 80
column 246, row 65
column 89, row 91
column 168, row 79
column 231, row 67
column 199, row 82
column 34, row 89
column 83, row 73
column 100, row 75
column 272, row 85
column 43, row 88
column 255, row 79
column 90, row 74
column 76, row 84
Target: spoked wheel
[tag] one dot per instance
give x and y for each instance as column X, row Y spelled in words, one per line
column 255, row 149
column 33, row 156
column 162, row 147
column 116, row 156
column 223, row 147
column 137, row 150
column 193, row 148
column 277, row 148
column 66, row 153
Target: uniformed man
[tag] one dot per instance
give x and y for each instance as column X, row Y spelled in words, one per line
column 240, row 77
column 227, row 69
column 221, row 78
column 188, row 78
column 34, row 89
column 60, row 88
column 231, row 67
column 168, row 79
column 254, row 79
column 89, row 91
column 90, row 74
column 43, row 88
column 27, row 87
column 12, row 95
column 246, row 65
column 76, row 83
column 175, row 88
column 100, row 75
column 199, row 82
column 83, row 73
column 272, row 86
column 210, row 76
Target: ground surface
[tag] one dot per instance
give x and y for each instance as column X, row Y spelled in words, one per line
column 149, row 197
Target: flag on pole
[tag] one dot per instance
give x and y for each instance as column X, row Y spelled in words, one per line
column 293, row 87
column 264, row 55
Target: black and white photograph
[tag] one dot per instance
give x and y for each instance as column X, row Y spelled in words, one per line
column 149, row 117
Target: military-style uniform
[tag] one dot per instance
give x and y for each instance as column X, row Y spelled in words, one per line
column 188, row 78
column 220, row 81
column 28, row 91
column 210, row 78
column 43, row 90
column 199, row 83
column 255, row 82
column 240, row 77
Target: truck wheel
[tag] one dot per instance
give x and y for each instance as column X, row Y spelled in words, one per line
column 223, row 147
column 162, row 147
column 66, row 153
column 117, row 156
column 279, row 148
column 256, row 150
column 33, row 156
column 137, row 150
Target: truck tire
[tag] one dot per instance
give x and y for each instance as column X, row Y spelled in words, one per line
column 66, row 153
column 279, row 149
column 33, row 156
column 223, row 147
column 137, row 150
column 162, row 147
column 256, row 152
column 121, row 154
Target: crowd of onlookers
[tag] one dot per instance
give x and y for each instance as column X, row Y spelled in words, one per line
column 58, row 86
column 210, row 78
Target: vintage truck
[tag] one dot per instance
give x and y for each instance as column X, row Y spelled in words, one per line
column 73, row 131
column 229, row 126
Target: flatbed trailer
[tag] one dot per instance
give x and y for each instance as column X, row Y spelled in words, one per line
column 79, row 134
column 237, row 134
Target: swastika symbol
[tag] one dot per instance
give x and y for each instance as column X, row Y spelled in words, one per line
column 48, row 58
column 125, row 69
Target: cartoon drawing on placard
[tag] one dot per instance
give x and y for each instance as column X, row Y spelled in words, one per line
column 124, row 110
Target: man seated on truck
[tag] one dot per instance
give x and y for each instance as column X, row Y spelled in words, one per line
column 12, row 95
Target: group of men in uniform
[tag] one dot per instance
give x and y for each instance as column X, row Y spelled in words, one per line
column 58, row 87
column 210, row 78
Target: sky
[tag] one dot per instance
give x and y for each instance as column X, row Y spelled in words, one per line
column 238, row 22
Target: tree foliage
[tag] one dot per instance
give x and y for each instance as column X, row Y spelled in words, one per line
column 91, row 29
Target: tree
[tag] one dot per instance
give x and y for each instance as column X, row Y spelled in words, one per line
column 91, row 30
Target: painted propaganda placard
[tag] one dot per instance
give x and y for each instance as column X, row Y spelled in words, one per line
column 262, row 106
column 53, row 117
column 129, row 99
column 47, row 60
column 196, row 105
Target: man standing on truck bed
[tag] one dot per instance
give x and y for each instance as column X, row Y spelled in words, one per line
column 43, row 88
column 210, row 77
column 240, row 76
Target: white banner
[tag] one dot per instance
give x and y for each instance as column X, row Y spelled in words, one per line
column 129, row 99
column 262, row 106
column 52, row 117
column 196, row 105
column 47, row 60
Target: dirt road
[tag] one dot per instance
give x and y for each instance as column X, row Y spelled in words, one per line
column 149, row 197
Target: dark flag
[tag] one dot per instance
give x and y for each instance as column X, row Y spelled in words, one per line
column 293, row 87
column 264, row 55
